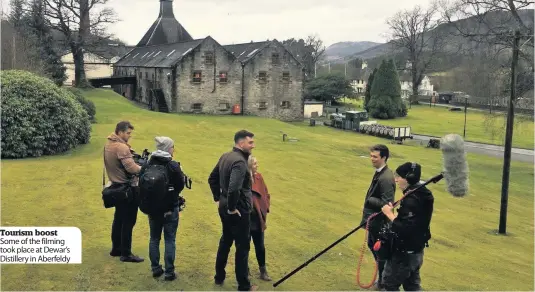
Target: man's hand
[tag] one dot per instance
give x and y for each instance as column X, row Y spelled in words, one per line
column 388, row 211
column 234, row 212
column 167, row 214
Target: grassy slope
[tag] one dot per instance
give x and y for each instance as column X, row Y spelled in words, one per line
column 317, row 186
column 480, row 126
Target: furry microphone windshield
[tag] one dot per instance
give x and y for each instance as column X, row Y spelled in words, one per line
column 455, row 165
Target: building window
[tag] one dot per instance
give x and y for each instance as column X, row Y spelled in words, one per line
column 140, row 75
column 262, row 75
column 223, row 77
column 224, row 106
column 286, row 76
column 262, row 105
column 275, row 58
column 208, row 58
column 168, row 77
column 197, row 76
column 285, row 104
column 196, row 106
column 146, row 75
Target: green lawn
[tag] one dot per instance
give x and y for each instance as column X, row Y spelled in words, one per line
column 317, row 185
column 480, row 126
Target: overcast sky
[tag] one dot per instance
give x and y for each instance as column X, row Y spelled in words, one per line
column 238, row 21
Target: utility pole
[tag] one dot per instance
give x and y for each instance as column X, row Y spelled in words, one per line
column 465, row 109
column 329, row 67
column 345, row 70
column 508, row 139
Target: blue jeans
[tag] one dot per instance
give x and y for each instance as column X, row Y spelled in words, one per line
column 169, row 225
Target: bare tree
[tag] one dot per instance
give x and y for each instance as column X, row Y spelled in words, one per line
column 80, row 21
column 503, row 24
column 315, row 52
column 492, row 22
column 415, row 31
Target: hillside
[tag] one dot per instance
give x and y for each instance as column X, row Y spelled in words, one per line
column 341, row 50
column 453, row 42
column 317, row 187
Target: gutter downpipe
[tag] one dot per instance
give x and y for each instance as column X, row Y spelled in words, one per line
column 242, row 88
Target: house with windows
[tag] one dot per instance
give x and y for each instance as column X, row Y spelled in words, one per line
column 177, row 73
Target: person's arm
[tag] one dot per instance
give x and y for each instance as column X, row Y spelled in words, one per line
column 127, row 160
column 267, row 193
column 213, row 181
column 387, row 189
column 405, row 220
column 237, row 175
column 178, row 176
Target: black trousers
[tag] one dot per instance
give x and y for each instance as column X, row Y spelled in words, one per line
column 124, row 220
column 260, row 250
column 235, row 229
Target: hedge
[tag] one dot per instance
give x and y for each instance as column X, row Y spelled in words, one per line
column 38, row 117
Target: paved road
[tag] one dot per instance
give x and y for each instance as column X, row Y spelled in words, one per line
column 517, row 154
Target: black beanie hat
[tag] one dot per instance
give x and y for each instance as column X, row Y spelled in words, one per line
column 406, row 168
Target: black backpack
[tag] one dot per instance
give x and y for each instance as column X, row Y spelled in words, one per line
column 153, row 187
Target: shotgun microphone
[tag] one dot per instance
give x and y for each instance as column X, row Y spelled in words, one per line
column 455, row 167
column 455, row 172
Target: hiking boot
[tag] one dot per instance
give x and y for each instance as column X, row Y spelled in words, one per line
column 170, row 277
column 131, row 259
column 157, row 273
column 264, row 274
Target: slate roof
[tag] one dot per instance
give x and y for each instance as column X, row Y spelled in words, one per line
column 247, row 51
column 165, row 29
column 158, row 56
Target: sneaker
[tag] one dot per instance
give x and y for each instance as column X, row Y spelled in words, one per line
column 132, row 259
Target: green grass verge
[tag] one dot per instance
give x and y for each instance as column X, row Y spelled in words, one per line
column 480, row 126
column 317, row 184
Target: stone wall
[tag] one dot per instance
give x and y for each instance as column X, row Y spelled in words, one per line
column 274, row 85
column 210, row 93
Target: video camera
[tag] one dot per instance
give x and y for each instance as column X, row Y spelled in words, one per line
column 140, row 159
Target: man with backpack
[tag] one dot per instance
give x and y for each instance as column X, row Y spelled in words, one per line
column 160, row 182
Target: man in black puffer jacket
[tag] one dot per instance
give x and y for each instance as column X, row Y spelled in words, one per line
column 164, row 214
column 411, row 229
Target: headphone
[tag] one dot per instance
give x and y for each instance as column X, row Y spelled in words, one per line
column 411, row 176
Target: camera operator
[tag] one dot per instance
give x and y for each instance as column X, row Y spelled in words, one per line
column 411, row 231
column 122, row 169
column 381, row 191
column 161, row 182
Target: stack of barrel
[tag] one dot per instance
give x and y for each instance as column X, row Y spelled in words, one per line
column 377, row 130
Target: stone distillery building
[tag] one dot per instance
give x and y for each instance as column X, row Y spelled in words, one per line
column 176, row 73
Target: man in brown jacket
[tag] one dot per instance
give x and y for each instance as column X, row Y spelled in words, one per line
column 380, row 193
column 121, row 169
